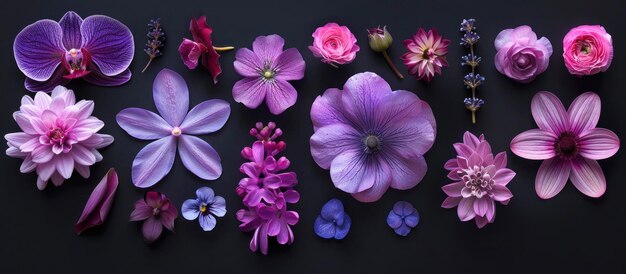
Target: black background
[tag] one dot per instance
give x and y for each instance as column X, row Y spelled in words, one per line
column 569, row 233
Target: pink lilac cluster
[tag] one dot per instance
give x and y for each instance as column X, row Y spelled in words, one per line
column 267, row 190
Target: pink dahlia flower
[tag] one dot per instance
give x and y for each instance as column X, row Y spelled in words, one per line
column 426, row 54
column 370, row 137
column 480, row 180
column 58, row 136
column 569, row 143
column 587, row 50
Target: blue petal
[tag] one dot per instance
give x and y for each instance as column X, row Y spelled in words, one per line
column 190, row 209
column 341, row 218
column 218, row 208
column 207, row 222
column 342, row 230
column 403, row 230
column 393, row 220
column 412, row 220
column 332, row 210
column 205, row 194
column 403, row 208
column 323, row 228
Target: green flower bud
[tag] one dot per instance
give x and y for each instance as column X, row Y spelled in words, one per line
column 380, row 39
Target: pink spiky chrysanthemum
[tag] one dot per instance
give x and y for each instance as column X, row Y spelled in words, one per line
column 426, row 54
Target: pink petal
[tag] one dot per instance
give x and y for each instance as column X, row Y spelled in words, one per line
column 451, row 202
column 551, row 177
column 247, row 63
column 99, row 203
column 141, row 211
column 64, row 165
column 465, row 210
column 451, row 164
column 171, row 96
column 534, row 144
column 503, row 176
column 454, row 189
column 584, row 112
column 587, row 177
column 470, row 140
column 190, row 52
column 500, row 160
column 598, row 144
column 549, row 113
column 280, row 96
column 153, row 162
column 501, row 193
column 250, row 91
column 463, row 150
column 481, row 205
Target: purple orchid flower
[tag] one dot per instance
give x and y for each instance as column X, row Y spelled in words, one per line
column 156, row 211
column 98, row 49
column 99, row 203
column 174, row 128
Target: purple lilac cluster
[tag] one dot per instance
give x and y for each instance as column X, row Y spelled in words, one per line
column 267, row 190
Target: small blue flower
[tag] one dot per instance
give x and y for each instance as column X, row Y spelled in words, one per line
column 402, row 218
column 470, row 60
column 473, row 104
column 333, row 222
column 467, row 25
column 472, row 80
column 469, row 39
column 205, row 206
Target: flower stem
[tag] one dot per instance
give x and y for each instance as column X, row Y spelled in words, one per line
column 148, row 64
column 333, row 65
column 223, row 48
column 392, row 66
column 473, row 116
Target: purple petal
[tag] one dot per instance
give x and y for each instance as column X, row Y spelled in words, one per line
column 109, row 42
column 190, row 209
column 141, row 211
column 534, row 144
column 333, row 210
column 503, row 176
column 598, row 144
column 470, row 140
column 481, row 221
column 451, row 165
column 207, row 117
column 205, row 194
column 341, row 230
column 250, row 91
column 481, row 205
column 407, row 172
column 64, row 165
column 393, row 220
column 207, row 222
column 410, row 137
column 584, row 112
column 171, row 96
column 247, row 63
column 587, row 177
column 329, row 141
column 551, row 177
column 501, row 193
column 351, row 172
column 38, row 49
column 328, row 109
column 412, row 220
column 376, row 191
column 361, row 93
column 465, row 210
column 268, row 48
column 168, row 216
column 451, row 202
column 55, row 80
column 403, row 208
column 324, row 228
column 151, row 229
column 218, row 208
column 143, row 124
column 403, row 230
column 199, row 157
column 70, row 24
column 280, row 96
column 153, row 162
column 549, row 113
column 98, row 78
column 454, row 189
column 500, row 160
column 97, row 208
column 289, row 65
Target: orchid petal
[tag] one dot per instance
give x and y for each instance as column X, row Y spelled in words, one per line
column 109, row 42
column 199, row 157
column 171, row 96
column 56, row 79
column 153, row 162
column 99, row 203
column 96, row 77
column 70, row 24
column 38, row 49
column 207, row 117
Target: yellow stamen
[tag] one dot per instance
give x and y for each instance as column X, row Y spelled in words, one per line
column 223, row 48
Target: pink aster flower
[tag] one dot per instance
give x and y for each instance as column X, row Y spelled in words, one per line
column 426, row 54
column 480, row 180
column 267, row 70
column 370, row 137
column 58, row 136
column 156, row 211
column 569, row 143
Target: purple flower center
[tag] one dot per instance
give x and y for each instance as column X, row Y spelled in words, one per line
column 566, row 146
column 76, row 62
column 156, row 211
column 478, row 183
column 522, row 61
column 372, row 143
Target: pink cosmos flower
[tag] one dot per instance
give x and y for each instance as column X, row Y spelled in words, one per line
column 426, row 54
column 587, row 50
column 335, row 44
column 480, row 180
column 156, row 211
column 59, row 136
column 521, row 56
column 568, row 142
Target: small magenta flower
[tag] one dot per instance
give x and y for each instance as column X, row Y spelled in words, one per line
column 175, row 128
column 204, row 208
column 156, row 212
column 333, row 222
column 267, row 70
column 99, row 203
column 403, row 218
column 58, row 136
column 426, row 54
column 380, row 40
column 98, row 49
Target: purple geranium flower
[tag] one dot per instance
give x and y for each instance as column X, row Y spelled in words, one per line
column 98, row 49
column 204, row 207
column 175, row 129
column 402, row 218
column 156, row 211
column 370, row 137
column 267, row 69
column 333, row 222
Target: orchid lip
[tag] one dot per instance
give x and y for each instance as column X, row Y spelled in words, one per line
column 76, row 62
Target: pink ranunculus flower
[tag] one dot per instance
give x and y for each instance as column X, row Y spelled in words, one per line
column 335, row 44
column 521, row 56
column 587, row 50
column 58, row 136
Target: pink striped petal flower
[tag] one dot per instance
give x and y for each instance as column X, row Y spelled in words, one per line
column 99, row 203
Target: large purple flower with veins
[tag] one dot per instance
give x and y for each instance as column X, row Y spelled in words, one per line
column 98, row 49
column 174, row 128
column 370, row 137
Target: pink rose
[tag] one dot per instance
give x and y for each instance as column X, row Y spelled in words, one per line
column 587, row 50
column 521, row 56
column 334, row 44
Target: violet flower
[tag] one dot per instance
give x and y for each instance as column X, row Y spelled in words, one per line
column 370, row 137
column 98, row 49
column 569, row 143
column 156, row 212
column 59, row 136
column 99, row 203
column 480, row 180
column 267, row 70
column 333, row 222
column 174, row 128
column 204, row 208
column 403, row 218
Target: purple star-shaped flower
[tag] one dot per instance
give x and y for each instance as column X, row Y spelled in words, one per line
column 174, row 128
column 98, row 49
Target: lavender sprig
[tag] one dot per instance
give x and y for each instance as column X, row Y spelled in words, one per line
column 156, row 39
column 472, row 80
